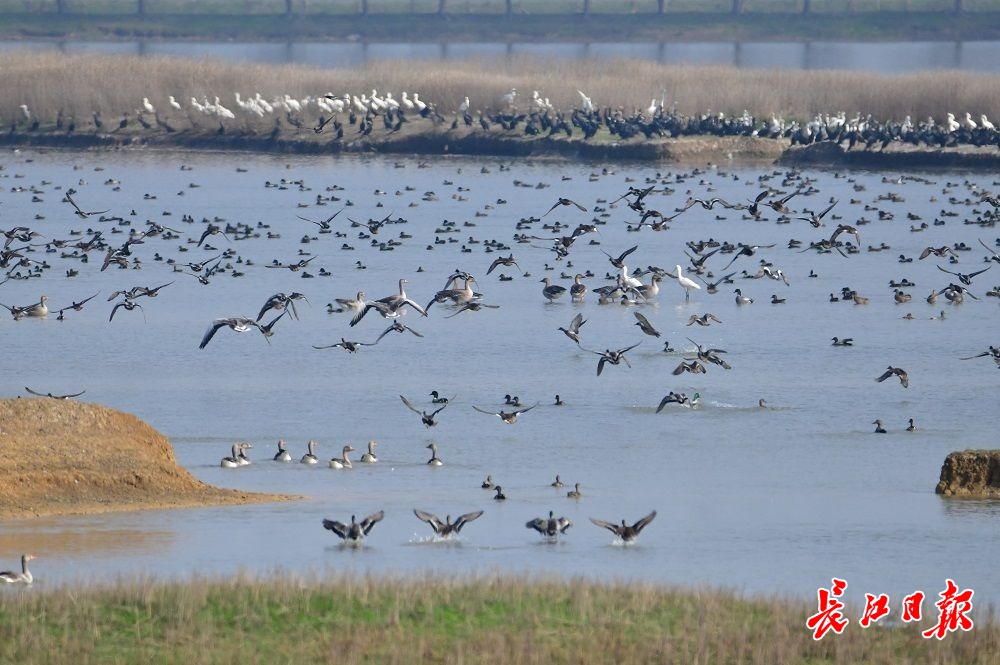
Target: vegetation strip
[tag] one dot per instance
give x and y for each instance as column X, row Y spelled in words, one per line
column 288, row 619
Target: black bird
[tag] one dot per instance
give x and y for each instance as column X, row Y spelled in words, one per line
column 817, row 219
column 503, row 261
column 551, row 527
column 619, row 261
column 82, row 214
column 446, row 528
column 212, row 230
column 645, row 326
column 236, row 323
column 965, row 278
column 282, row 302
column 54, row 396
column 324, row 225
column 355, row 531
column 350, row 347
column 508, row 418
column 472, row 306
column 397, row 327
column 612, row 357
column 904, row 378
column 565, row 202
column 625, row 532
column 426, row 418
column 573, row 332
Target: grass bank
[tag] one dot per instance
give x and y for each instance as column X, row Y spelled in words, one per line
column 347, row 620
column 599, row 27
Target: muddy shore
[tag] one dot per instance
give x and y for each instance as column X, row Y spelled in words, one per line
column 685, row 150
column 69, row 457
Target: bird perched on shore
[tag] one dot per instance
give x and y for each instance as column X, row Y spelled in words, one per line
column 355, row 531
column 624, row 531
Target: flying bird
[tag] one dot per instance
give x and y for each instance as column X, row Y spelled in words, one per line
column 612, row 357
column 507, row 417
column 54, row 396
column 624, row 531
column 904, row 378
column 355, row 531
column 551, row 527
column 426, row 418
column 565, row 202
column 446, row 528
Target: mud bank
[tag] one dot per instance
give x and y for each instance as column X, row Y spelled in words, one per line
column 68, row 457
column 971, row 473
column 686, row 150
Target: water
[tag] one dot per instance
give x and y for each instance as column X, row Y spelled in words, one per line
column 879, row 57
column 778, row 499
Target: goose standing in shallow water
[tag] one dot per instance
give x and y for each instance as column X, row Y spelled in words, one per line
column 369, row 457
column 355, row 531
column 625, row 532
column 552, row 291
column 24, row 577
column 282, row 455
column 342, row 462
column 310, row 457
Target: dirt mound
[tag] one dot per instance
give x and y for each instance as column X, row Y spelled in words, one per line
column 971, row 473
column 63, row 456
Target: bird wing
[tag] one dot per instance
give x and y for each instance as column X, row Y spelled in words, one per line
column 35, row 393
column 209, row 334
column 624, row 254
column 600, row 364
column 411, row 407
column 526, row 409
column 978, row 355
column 978, row 272
column 443, row 406
column 338, row 528
column 466, row 518
column 370, row 521
column 641, row 524
column 643, row 320
column 680, row 369
column 489, row 413
column 539, row 524
column 629, row 348
column 577, row 321
column 554, row 206
column 885, row 375
column 433, row 520
column 610, row 526
column 563, row 523
column 668, row 398
column 419, row 335
column 947, row 271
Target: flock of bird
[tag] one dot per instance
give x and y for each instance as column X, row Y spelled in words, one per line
column 537, row 116
column 709, row 266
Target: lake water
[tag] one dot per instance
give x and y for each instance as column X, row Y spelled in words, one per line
column 879, row 57
column 777, row 499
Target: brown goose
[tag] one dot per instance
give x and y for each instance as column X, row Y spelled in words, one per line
column 447, row 527
column 551, row 526
column 355, row 531
column 624, row 531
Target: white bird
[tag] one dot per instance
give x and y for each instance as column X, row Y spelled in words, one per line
column 464, row 106
column 310, row 457
column 588, row 105
column 24, row 577
column 985, row 123
column 406, row 102
column 509, row 97
column 686, row 282
column 25, row 111
column 953, row 125
column 147, row 106
column 174, row 103
column 419, row 104
column 970, row 124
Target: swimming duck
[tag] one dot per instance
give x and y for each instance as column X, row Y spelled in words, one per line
column 434, row 460
column 369, row 457
column 282, row 455
column 436, row 399
column 499, row 496
column 342, row 462
column 355, row 531
column 847, row 341
column 911, row 427
column 878, row 427
column 557, row 483
column 742, row 299
column 559, row 401
column 447, row 527
column 310, row 457
column 233, row 460
column 24, row 577
column 242, row 457
column 575, row 493
column 550, row 527
column 488, row 483
column 624, row 531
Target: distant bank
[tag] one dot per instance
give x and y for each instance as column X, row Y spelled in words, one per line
column 455, row 27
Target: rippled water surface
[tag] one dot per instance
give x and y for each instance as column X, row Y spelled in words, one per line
column 758, row 499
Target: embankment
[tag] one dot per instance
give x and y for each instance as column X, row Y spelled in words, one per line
column 971, row 473
column 66, row 457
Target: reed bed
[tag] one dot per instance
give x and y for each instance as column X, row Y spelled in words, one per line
column 78, row 85
column 285, row 619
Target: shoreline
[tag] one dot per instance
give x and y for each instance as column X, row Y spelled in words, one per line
column 870, row 26
column 685, row 150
